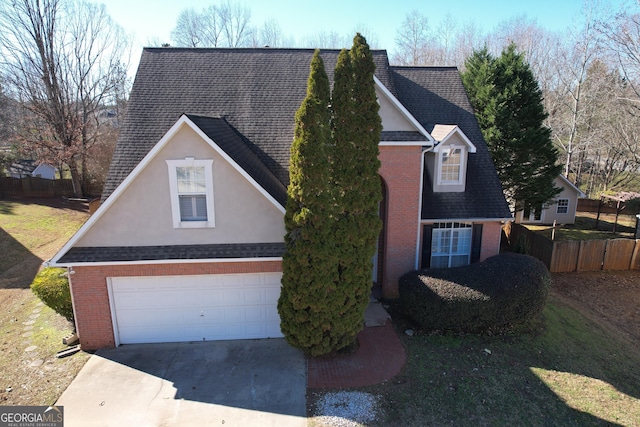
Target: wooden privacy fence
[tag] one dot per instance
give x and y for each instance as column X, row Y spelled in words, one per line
column 576, row 255
column 35, row 187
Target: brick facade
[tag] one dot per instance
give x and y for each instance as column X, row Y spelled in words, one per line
column 91, row 297
column 400, row 168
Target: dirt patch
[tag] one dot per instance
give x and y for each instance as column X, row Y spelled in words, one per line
column 611, row 299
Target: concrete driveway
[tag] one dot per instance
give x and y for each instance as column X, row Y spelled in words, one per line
column 230, row 383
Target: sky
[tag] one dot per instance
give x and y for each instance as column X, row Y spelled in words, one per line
column 152, row 20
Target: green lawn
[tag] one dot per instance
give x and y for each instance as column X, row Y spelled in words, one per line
column 31, row 231
column 561, row 371
column 585, row 227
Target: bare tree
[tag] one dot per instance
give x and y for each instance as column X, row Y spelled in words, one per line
column 191, row 30
column 223, row 25
column 271, row 34
column 623, row 35
column 411, row 39
column 64, row 62
column 234, row 20
column 573, row 60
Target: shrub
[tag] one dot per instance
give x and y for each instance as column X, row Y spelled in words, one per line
column 503, row 290
column 51, row 285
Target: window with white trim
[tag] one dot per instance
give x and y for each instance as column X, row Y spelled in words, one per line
column 191, row 191
column 451, row 244
column 451, row 164
column 563, row 206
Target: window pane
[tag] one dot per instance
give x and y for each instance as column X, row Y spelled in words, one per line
column 439, row 261
column 193, row 208
column 563, row 206
column 451, row 164
column 451, row 245
column 191, row 179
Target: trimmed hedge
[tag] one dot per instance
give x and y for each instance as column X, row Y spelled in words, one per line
column 51, row 285
column 503, row 290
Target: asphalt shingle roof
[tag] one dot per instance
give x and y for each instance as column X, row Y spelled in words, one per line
column 435, row 95
column 246, row 99
column 256, row 91
column 171, row 253
column 231, row 143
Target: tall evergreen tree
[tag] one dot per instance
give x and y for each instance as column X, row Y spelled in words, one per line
column 508, row 104
column 307, row 301
column 356, row 127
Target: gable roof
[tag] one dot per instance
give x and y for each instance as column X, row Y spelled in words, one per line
column 245, row 100
column 436, row 95
column 256, row 91
column 441, row 133
column 219, row 131
column 571, row 186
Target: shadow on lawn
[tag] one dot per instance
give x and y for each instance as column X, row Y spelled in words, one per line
column 53, row 202
column 541, row 376
column 18, row 266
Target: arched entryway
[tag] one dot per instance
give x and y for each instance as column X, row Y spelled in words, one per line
column 378, row 259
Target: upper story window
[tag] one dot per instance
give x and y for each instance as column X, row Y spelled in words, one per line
column 451, row 164
column 563, row 206
column 191, row 191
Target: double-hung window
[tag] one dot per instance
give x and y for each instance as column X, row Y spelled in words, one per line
column 191, row 191
column 451, row 165
column 563, row 206
column 451, row 244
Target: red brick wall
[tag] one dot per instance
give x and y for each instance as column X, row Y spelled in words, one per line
column 491, row 233
column 400, row 169
column 91, row 298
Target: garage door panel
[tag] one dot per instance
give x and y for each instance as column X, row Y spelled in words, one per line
column 193, row 308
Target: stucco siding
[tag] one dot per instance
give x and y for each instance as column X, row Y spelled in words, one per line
column 392, row 117
column 142, row 214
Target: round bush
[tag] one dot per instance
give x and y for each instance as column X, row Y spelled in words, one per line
column 503, row 290
column 51, row 285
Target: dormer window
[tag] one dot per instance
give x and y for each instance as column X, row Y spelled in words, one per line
column 451, row 165
column 447, row 163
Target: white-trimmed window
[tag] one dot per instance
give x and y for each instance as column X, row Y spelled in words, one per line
column 191, row 191
column 563, row 206
column 451, row 164
column 451, row 244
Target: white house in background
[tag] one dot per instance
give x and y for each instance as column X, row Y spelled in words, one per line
column 25, row 168
column 562, row 210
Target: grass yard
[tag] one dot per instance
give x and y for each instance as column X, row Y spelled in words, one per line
column 577, row 365
column 585, row 227
column 31, row 231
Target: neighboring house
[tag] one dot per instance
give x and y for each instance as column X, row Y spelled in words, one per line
column 188, row 242
column 562, row 209
column 25, row 168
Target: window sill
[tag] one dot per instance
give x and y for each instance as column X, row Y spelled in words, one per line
column 194, row 224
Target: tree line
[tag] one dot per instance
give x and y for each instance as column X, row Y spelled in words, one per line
column 64, row 85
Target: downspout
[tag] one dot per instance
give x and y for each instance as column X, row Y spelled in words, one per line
column 424, row 150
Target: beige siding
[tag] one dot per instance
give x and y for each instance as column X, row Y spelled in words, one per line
column 142, row 214
column 392, row 117
column 550, row 214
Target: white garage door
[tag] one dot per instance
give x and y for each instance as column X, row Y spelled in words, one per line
column 195, row 308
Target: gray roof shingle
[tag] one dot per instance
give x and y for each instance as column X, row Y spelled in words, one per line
column 172, row 253
column 231, row 143
column 246, row 99
column 435, row 95
column 256, row 91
